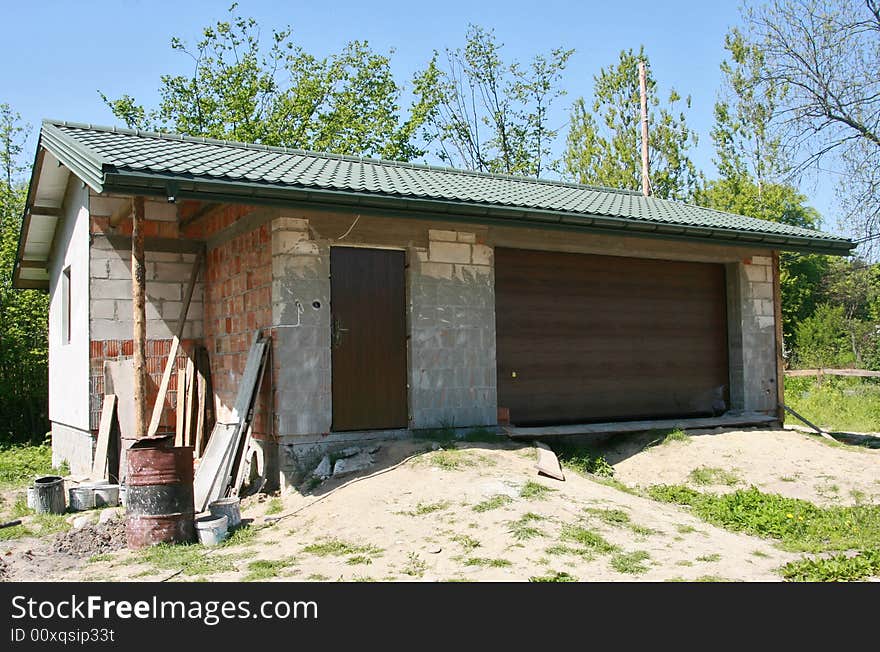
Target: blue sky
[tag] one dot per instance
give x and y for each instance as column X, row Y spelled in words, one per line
column 59, row 54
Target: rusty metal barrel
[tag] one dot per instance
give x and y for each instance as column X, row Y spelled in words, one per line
column 159, row 506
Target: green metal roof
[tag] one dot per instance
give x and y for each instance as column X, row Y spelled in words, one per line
column 121, row 160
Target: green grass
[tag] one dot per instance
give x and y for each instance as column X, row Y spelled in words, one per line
column 468, row 543
column 713, row 475
column 339, row 548
column 451, row 459
column 486, row 562
column 357, row 560
column 619, row 518
column 34, row 525
column 264, row 569
column 583, row 460
column 522, row 529
column 561, row 549
column 191, row 558
column 499, row 500
column 20, row 463
column 839, row 568
column 532, row 490
column 672, row 436
column 710, row 558
column 415, row 565
column 631, row 563
column 587, row 539
column 274, row 506
column 243, row 535
column 839, row 404
column 427, row 508
column 94, row 559
column 554, row 576
column 798, row 525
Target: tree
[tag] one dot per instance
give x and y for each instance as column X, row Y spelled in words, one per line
column 603, row 146
column 751, row 164
column 492, row 115
column 822, row 58
column 239, row 89
column 23, row 313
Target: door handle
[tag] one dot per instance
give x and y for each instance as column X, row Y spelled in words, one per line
column 336, row 332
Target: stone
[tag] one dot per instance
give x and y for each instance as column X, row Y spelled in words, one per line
column 351, row 464
column 351, row 451
column 108, row 515
column 81, row 521
column 323, row 470
column 434, row 550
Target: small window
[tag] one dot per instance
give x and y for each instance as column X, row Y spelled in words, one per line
column 65, row 305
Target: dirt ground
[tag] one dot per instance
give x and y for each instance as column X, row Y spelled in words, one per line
column 474, row 513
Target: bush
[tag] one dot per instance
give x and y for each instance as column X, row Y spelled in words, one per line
column 822, row 339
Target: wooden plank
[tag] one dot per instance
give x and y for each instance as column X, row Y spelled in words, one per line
column 119, row 380
column 108, row 416
column 166, row 245
column 201, row 404
column 159, row 406
column 548, row 463
column 138, row 295
column 725, row 421
column 812, row 425
column 188, row 434
column 213, row 475
column 180, row 422
column 855, row 373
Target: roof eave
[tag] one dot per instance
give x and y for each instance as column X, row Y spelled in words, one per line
column 126, row 182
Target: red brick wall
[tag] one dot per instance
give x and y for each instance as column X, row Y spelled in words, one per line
column 157, row 354
column 238, row 300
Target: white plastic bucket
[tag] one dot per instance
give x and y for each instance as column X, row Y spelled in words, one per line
column 212, row 529
column 228, row 507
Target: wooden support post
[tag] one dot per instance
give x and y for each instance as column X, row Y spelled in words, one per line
column 138, row 295
column 643, row 92
column 777, row 318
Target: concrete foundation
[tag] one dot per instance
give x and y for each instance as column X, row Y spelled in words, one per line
column 73, row 446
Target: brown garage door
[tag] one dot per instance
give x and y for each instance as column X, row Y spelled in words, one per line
column 590, row 338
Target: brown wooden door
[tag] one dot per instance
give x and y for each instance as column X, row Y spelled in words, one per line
column 368, row 338
column 592, row 338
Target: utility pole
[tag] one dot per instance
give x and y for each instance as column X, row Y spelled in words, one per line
column 643, row 92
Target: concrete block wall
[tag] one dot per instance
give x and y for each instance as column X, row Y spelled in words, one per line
column 752, row 334
column 452, row 328
column 301, row 316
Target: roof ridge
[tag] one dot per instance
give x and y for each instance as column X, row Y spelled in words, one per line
column 338, row 157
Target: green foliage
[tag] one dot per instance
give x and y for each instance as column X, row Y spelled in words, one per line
column 499, row 500
column 797, row 524
column 191, row 559
column 839, row 404
column 535, row 491
column 675, row 435
column 554, row 576
column 278, row 94
column 487, row 562
column 582, row 460
column 711, row 475
column 493, row 115
column 632, row 563
column 263, row 569
column 522, row 528
column 587, row 539
column 603, row 146
column 24, row 314
column 338, row 547
column 839, row 568
column 20, row 463
column 821, row 339
column 274, row 506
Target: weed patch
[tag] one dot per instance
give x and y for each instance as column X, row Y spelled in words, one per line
column 466, row 542
column 535, row 491
column 632, row 563
column 839, row 568
column 274, row 506
column 583, row 460
column 555, row 576
column 19, row 464
column 798, row 525
column 712, row 475
column 264, row 569
column 487, row 562
column 522, row 529
column 499, row 500
column 339, row 548
column 592, row 541
column 427, row 508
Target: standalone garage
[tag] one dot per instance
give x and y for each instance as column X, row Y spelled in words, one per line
column 584, row 338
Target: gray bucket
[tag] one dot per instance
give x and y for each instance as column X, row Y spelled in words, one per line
column 81, row 498
column 49, row 495
column 212, row 530
column 228, row 507
column 106, row 495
